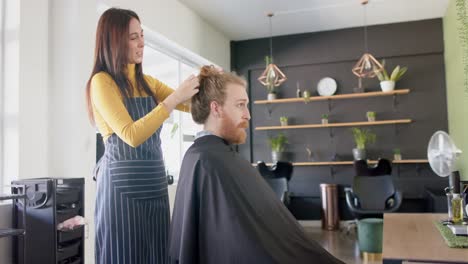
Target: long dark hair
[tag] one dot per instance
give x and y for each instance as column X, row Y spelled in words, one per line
column 111, row 54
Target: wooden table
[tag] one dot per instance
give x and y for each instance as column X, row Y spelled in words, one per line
column 414, row 237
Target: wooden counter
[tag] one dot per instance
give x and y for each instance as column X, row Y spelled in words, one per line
column 414, row 237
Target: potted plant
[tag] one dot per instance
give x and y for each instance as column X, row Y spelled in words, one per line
column 387, row 83
column 362, row 138
column 396, row 154
column 370, row 116
column 271, row 92
column 284, row 121
column 270, row 86
column 324, row 119
column 277, row 145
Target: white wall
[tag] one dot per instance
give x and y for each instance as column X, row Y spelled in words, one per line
column 181, row 25
column 71, row 138
column 56, row 51
column 33, row 83
column 32, row 126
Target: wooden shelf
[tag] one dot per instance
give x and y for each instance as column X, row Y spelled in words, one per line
column 338, row 163
column 349, row 124
column 333, row 97
column 410, row 161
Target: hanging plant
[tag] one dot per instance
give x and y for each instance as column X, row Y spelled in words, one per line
column 270, row 76
column 463, row 33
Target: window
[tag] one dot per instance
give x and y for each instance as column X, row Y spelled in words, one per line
column 9, row 83
column 179, row 130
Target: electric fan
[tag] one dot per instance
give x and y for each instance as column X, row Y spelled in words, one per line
column 442, row 154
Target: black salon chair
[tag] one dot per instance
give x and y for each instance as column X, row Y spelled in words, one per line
column 373, row 192
column 278, row 177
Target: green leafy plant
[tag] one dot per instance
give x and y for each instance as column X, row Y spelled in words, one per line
column 371, row 114
column 324, row 116
column 363, row 137
column 174, row 128
column 278, row 143
column 397, row 151
column 462, row 18
column 283, row 119
column 396, row 75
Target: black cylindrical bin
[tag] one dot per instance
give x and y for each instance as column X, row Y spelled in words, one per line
column 330, row 217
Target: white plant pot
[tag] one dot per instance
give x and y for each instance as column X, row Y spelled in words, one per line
column 387, row 86
column 277, row 156
column 359, row 154
column 271, row 96
column 396, row 156
column 284, row 123
column 371, row 119
column 324, row 121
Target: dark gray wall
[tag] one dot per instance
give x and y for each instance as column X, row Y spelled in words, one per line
column 306, row 58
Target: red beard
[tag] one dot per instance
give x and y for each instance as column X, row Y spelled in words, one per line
column 234, row 134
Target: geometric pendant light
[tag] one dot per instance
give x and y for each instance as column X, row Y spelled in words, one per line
column 367, row 66
column 272, row 76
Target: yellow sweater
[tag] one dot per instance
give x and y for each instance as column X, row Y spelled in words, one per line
column 110, row 113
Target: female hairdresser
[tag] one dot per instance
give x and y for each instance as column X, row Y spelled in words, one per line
column 129, row 108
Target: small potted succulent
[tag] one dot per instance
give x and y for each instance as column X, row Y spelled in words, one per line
column 370, row 116
column 277, row 145
column 324, row 119
column 362, row 138
column 284, row 121
column 387, row 82
column 396, row 154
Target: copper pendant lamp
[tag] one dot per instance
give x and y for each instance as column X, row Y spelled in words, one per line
column 367, row 66
column 272, row 76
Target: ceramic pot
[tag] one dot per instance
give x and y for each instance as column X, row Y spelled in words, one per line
column 359, row 154
column 277, row 156
column 387, row 86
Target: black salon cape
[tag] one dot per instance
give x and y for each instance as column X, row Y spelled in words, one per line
column 225, row 213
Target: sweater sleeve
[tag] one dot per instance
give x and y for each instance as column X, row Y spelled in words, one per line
column 162, row 91
column 108, row 102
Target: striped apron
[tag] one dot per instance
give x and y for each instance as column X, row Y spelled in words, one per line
column 132, row 207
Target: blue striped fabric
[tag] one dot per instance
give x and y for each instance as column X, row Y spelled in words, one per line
column 132, row 205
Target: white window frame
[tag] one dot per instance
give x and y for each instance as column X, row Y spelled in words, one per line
column 9, row 85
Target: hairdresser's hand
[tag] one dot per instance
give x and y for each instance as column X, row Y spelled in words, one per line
column 219, row 69
column 186, row 90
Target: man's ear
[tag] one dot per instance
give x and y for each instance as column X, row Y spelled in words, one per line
column 215, row 108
